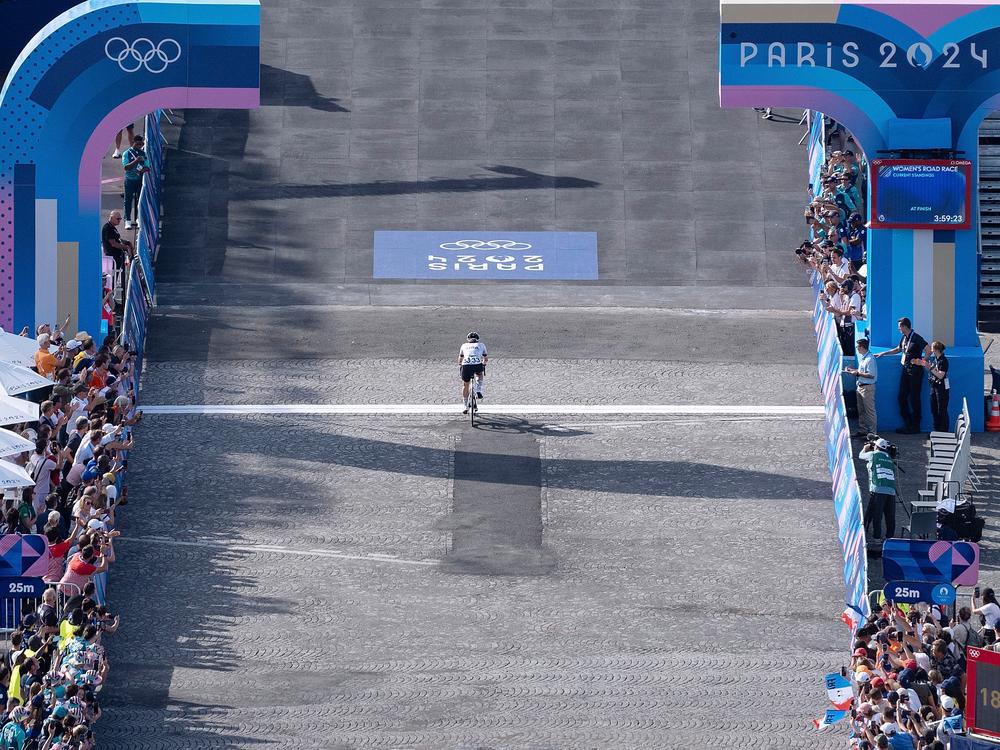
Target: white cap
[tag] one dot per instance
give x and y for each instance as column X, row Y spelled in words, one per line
column 947, row 702
column 888, row 729
column 882, row 444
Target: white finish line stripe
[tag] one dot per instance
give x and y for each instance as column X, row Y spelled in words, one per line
column 724, row 410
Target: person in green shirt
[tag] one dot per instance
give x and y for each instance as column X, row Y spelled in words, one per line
column 851, row 195
column 14, row 735
column 881, row 488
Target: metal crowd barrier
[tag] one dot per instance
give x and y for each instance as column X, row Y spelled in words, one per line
column 12, row 611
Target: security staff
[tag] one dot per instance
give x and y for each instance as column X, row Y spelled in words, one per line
column 937, row 375
column 913, row 348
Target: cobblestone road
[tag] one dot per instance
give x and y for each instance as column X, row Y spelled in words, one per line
column 300, row 582
column 671, row 597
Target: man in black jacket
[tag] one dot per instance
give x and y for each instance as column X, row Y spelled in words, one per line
column 913, row 348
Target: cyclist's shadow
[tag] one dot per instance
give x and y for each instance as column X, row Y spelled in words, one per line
column 517, row 425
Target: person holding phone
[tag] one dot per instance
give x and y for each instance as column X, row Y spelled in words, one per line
column 136, row 164
column 937, row 376
column 867, row 375
column 990, row 609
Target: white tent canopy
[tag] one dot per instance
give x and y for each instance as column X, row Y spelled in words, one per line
column 12, row 475
column 11, row 443
column 16, row 410
column 17, row 350
column 16, row 379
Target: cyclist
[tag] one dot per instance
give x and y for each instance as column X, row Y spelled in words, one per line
column 472, row 358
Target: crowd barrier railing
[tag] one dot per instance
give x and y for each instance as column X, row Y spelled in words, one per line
column 140, row 285
column 12, row 610
column 847, row 501
column 149, row 204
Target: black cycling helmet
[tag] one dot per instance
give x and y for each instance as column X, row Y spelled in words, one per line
column 473, row 336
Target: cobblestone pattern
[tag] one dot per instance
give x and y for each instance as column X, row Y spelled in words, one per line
column 509, row 381
column 694, row 594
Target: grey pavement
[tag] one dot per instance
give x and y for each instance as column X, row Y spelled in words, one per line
column 661, row 591
column 339, row 582
column 511, row 381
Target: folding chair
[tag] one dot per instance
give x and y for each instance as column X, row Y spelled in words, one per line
column 944, row 444
column 928, row 499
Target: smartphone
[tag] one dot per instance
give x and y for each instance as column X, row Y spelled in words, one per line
column 976, row 592
column 899, row 636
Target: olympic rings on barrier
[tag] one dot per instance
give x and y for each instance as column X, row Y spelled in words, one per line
column 142, row 53
column 485, row 245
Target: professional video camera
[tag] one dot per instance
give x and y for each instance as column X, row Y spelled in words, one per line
column 871, row 438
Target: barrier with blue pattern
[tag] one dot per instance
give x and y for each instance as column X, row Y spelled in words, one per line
column 847, row 502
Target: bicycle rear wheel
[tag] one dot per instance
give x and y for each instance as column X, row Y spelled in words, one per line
column 473, row 405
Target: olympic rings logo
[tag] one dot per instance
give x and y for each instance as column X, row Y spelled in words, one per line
column 142, row 53
column 485, row 245
column 974, row 653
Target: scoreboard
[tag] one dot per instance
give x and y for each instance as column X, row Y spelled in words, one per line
column 921, row 193
column 983, row 693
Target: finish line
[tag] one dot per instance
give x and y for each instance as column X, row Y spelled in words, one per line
column 717, row 410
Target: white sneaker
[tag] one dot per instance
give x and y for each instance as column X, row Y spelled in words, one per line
column 117, row 154
column 128, row 224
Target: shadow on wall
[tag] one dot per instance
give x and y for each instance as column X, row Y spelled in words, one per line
column 283, row 88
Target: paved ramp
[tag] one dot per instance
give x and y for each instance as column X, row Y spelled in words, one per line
column 496, row 519
column 647, row 579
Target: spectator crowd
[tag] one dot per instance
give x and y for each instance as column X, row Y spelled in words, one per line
column 909, row 667
column 55, row 665
column 836, row 248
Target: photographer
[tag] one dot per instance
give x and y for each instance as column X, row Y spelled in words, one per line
column 837, row 302
column 136, row 165
column 881, row 487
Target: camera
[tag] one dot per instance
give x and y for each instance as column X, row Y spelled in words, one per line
column 871, row 438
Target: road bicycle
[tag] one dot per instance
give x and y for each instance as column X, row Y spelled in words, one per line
column 475, row 385
column 473, row 401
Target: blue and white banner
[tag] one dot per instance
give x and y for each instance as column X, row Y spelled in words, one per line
column 149, row 203
column 485, row 255
column 847, row 501
column 817, row 150
column 134, row 321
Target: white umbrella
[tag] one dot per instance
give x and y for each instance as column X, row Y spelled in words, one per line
column 16, row 379
column 18, row 350
column 16, row 410
column 11, row 443
column 12, row 475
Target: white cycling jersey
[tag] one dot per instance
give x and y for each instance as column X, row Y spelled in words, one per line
column 473, row 353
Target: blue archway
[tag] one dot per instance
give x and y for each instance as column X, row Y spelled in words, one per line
column 87, row 72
